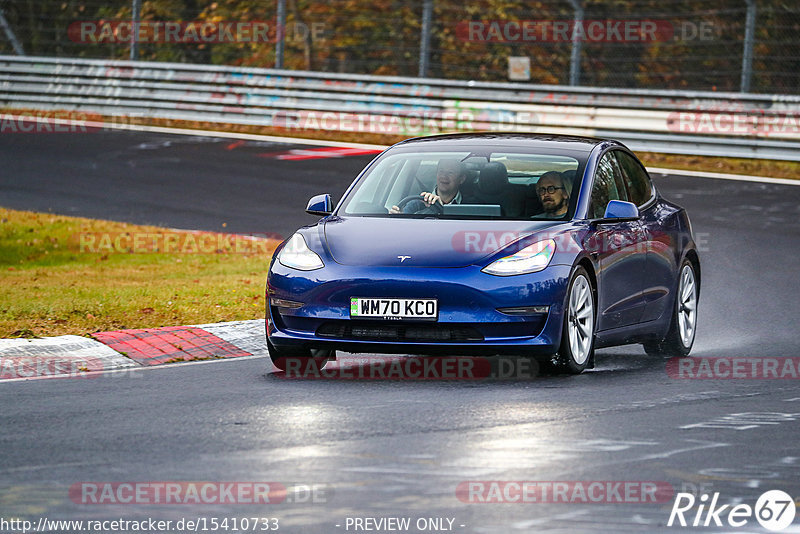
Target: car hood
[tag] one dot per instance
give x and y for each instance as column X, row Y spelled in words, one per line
column 388, row 241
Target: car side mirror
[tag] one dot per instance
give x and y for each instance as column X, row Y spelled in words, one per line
column 320, row 205
column 620, row 211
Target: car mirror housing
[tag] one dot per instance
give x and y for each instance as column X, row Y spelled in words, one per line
column 320, row 205
column 620, row 211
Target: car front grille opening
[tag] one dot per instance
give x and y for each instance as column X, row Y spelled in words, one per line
column 419, row 333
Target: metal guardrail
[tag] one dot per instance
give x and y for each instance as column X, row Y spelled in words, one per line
column 703, row 123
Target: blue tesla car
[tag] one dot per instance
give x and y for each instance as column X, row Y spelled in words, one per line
column 536, row 246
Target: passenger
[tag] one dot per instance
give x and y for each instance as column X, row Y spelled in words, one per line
column 450, row 176
column 554, row 191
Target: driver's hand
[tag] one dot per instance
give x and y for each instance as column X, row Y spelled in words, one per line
column 395, row 210
column 430, row 198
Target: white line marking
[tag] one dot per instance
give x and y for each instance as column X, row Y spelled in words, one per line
column 202, row 133
column 131, row 370
column 655, row 456
column 527, row 524
column 724, row 176
column 323, row 142
column 45, row 466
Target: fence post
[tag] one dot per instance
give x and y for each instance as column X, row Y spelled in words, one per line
column 425, row 38
column 16, row 45
column 577, row 33
column 747, row 55
column 280, row 34
column 136, row 16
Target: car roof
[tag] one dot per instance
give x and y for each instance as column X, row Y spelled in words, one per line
column 509, row 139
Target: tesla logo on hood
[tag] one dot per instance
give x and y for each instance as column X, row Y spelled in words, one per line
column 403, row 258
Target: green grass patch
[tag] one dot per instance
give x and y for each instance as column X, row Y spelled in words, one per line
column 69, row 275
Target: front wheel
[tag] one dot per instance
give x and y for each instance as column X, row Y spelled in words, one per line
column 577, row 338
column 299, row 359
column 680, row 337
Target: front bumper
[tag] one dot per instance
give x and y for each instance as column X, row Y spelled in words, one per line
column 469, row 321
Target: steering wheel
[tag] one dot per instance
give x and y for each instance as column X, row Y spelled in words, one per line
column 433, row 208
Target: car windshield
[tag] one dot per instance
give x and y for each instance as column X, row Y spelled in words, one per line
column 498, row 184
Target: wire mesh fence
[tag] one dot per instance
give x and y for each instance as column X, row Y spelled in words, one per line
column 657, row 44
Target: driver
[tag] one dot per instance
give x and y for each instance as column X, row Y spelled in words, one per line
column 554, row 191
column 450, row 175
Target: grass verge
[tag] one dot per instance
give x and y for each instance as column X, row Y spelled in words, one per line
column 69, row 275
column 745, row 166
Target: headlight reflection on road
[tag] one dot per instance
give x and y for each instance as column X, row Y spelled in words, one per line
column 309, row 416
column 525, row 446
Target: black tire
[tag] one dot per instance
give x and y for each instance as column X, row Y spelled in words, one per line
column 577, row 353
column 298, row 358
column 675, row 343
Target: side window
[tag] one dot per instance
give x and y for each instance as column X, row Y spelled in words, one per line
column 608, row 185
column 640, row 188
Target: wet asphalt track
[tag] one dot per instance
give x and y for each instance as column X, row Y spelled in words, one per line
column 393, row 448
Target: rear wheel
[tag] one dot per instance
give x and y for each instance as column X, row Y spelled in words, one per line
column 299, row 359
column 577, row 338
column 680, row 337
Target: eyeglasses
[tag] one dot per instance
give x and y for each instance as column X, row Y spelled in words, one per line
column 549, row 189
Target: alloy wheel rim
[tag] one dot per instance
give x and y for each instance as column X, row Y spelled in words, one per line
column 687, row 306
column 580, row 326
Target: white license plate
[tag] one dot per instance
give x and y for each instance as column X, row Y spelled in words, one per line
column 393, row 309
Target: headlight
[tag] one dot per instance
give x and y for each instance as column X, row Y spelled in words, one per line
column 297, row 255
column 530, row 259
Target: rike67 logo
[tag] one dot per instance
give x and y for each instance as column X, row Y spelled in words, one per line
column 774, row 510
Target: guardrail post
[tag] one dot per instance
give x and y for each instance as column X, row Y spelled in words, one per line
column 575, row 56
column 747, row 55
column 425, row 38
column 136, row 16
column 16, row 45
column 280, row 33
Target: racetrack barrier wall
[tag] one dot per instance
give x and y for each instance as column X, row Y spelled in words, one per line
column 676, row 122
